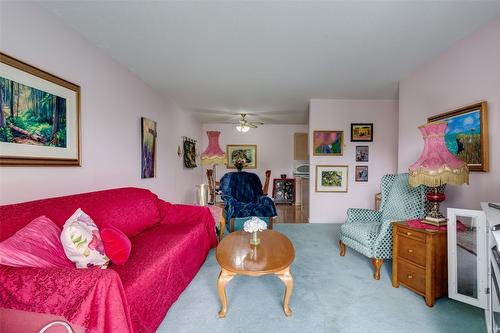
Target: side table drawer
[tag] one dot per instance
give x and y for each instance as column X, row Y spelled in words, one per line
column 412, row 276
column 411, row 233
column 411, row 249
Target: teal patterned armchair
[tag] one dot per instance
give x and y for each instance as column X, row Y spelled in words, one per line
column 369, row 232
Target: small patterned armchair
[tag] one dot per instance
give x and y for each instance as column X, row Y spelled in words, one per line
column 243, row 196
column 369, row 232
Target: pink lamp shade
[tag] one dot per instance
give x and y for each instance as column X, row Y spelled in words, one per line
column 436, row 165
column 213, row 154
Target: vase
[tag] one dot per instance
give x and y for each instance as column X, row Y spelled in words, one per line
column 254, row 238
column 239, row 170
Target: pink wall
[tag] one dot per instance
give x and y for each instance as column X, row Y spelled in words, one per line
column 274, row 147
column 329, row 114
column 468, row 72
column 112, row 102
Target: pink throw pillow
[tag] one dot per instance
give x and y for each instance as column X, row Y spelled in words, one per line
column 35, row 245
column 116, row 245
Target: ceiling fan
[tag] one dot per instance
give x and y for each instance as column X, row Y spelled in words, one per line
column 244, row 125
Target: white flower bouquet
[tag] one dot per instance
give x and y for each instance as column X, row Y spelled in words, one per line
column 254, row 224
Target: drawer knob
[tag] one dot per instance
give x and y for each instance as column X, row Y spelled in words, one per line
column 408, row 233
column 410, row 251
column 410, row 276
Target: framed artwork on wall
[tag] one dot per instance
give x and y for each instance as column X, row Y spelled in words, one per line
column 362, row 132
column 39, row 116
column 328, row 143
column 362, row 153
column 361, row 173
column 467, row 134
column 148, row 150
column 189, row 156
column 246, row 152
column 331, row 178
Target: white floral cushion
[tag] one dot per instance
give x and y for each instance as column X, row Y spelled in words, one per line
column 82, row 242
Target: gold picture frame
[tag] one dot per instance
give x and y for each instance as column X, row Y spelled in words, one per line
column 58, row 145
column 328, row 143
column 326, row 178
column 249, row 152
column 462, row 137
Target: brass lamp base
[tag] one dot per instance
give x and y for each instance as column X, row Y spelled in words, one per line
column 438, row 222
column 434, row 216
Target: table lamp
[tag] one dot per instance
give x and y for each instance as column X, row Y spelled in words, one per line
column 213, row 155
column 437, row 166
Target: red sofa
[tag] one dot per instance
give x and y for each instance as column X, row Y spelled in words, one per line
column 169, row 245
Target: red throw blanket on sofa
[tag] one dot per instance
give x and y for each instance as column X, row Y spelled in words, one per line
column 169, row 245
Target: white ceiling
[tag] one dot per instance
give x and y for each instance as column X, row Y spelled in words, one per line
column 269, row 58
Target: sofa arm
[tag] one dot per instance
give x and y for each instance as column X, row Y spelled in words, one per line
column 363, row 215
column 92, row 298
column 189, row 214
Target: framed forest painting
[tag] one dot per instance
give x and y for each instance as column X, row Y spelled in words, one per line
column 39, row 116
column 331, row 178
column 148, row 148
column 467, row 134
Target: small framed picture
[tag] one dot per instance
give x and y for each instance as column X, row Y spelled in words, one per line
column 362, row 132
column 331, row 178
column 362, row 153
column 361, row 173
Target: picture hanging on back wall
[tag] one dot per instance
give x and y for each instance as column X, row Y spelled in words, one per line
column 245, row 152
column 362, row 153
column 362, row 132
column 467, row 134
column 361, row 173
column 148, row 151
column 328, row 143
column 189, row 152
column 39, row 116
column 331, row 178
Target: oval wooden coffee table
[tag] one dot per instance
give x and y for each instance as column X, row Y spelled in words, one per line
column 236, row 256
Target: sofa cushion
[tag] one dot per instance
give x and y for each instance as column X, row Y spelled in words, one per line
column 116, row 244
column 164, row 259
column 129, row 209
column 82, row 242
column 35, row 245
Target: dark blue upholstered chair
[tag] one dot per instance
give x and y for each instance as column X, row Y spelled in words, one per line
column 242, row 195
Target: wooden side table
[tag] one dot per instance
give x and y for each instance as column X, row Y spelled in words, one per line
column 420, row 261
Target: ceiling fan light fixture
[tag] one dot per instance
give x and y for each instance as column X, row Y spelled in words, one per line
column 242, row 128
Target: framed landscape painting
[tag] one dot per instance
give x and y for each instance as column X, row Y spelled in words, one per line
column 467, row 134
column 331, row 178
column 328, row 143
column 148, row 148
column 39, row 116
column 246, row 152
column 361, row 173
column 362, row 132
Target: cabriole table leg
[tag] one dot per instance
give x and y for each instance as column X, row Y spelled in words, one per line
column 286, row 277
column 222, row 281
